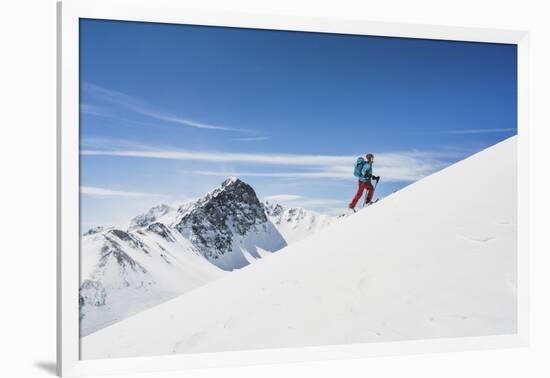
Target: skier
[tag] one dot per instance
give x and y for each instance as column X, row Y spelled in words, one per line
column 363, row 171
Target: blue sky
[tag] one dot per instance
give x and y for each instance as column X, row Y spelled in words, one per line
column 169, row 111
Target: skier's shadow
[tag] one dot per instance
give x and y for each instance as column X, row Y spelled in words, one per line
column 48, row 367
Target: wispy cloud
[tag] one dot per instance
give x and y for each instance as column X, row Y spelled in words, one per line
column 389, row 174
column 251, row 139
column 228, row 157
column 141, row 107
column 307, row 175
column 97, row 192
column 404, row 166
column 283, row 197
column 479, row 131
column 181, row 121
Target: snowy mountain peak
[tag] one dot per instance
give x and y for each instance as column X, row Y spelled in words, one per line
column 295, row 223
column 149, row 217
column 221, row 217
column 273, row 210
column 231, row 184
column 231, row 180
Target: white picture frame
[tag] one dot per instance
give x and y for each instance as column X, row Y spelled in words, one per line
column 171, row 11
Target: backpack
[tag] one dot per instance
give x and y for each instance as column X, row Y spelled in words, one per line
column 359, row 163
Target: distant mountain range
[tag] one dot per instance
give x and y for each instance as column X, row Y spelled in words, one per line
column 171, row 250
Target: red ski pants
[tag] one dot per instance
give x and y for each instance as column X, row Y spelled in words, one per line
column 362, row 186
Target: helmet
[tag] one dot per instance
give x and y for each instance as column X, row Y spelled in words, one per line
column 369, row 156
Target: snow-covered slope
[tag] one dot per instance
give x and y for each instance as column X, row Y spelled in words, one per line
column 171, row 250
column 437, row 259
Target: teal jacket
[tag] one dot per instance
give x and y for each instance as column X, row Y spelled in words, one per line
column 366, row 172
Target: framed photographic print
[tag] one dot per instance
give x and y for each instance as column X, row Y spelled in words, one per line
column 246, row 188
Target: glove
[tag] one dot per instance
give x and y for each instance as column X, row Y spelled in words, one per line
column 377, row 178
